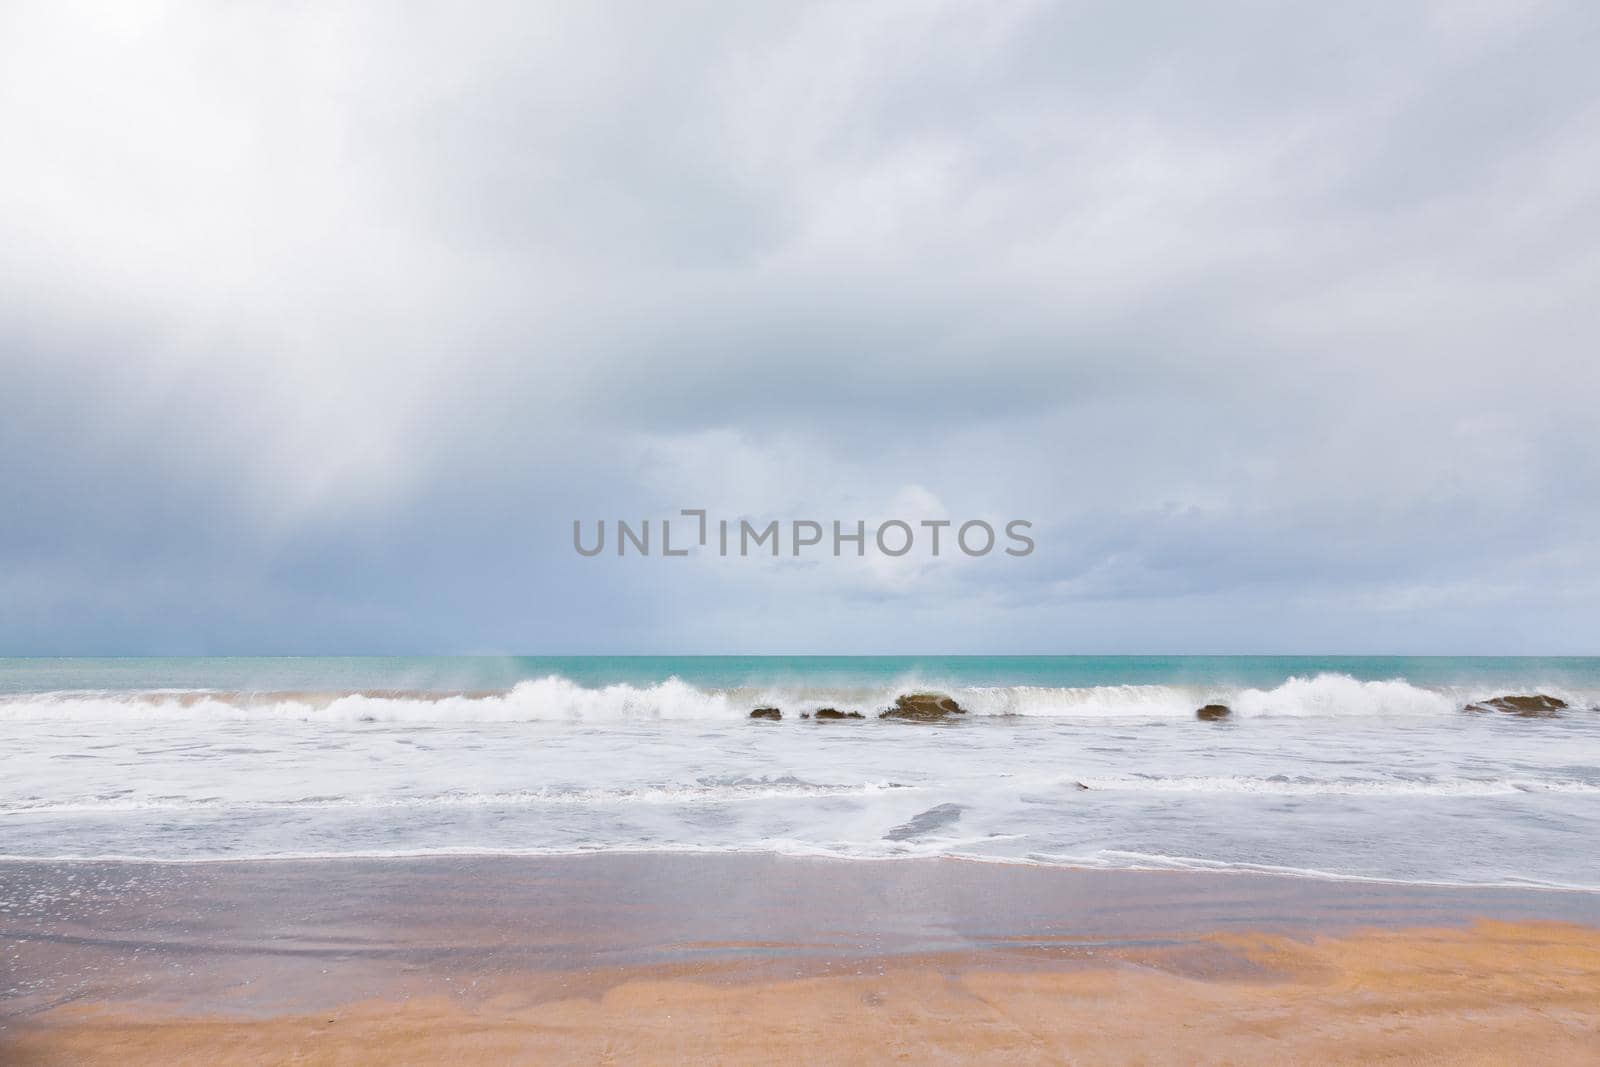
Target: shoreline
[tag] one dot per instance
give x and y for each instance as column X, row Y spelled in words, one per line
column 467, row 854
column 671, row 957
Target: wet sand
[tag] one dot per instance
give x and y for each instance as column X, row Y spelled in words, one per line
column 738, row 958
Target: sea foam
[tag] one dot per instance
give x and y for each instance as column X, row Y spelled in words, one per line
column 558, row 699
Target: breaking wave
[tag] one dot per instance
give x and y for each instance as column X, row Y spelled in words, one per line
column 558, row 699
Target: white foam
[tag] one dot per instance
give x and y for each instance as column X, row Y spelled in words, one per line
column 550, row 699
column 1103, row 860
column 1339, row 694
column 1100, row 701
column 1282, row 785
column 558, row 699
column 704, row 793
column 1395, row 780
column 1122, row 860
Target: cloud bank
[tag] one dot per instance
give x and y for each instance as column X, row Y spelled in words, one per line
column 319, row 325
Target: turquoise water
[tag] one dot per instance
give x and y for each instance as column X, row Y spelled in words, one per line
column 460, row 673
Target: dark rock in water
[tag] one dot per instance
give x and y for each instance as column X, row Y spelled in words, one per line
column 1537, row 706
column 1081, row 786
column 924, row 822
column 923, row 707
column 835, row 713
column 1213, row 712
column 766, row 713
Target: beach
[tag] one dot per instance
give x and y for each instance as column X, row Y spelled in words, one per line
column 681, row 957
column 799, row 533
column 848, row 859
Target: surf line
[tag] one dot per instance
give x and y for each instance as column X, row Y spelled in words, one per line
column 974, row 538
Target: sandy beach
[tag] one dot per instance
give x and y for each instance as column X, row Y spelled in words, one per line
column 677, row 958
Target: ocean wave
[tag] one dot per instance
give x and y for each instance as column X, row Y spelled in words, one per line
column 739, row 790
column 703, row 792
column 1123, row 860
column 558, row 699
column 1102, row 860
column 1295, row 785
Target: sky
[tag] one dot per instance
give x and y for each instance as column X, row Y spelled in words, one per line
column 321, row 324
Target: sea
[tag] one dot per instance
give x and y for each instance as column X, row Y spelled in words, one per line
column 1367, row 768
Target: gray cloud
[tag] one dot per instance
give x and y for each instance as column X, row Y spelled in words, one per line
column 320, row 325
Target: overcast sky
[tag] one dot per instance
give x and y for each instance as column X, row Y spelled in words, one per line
column 320, row 324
